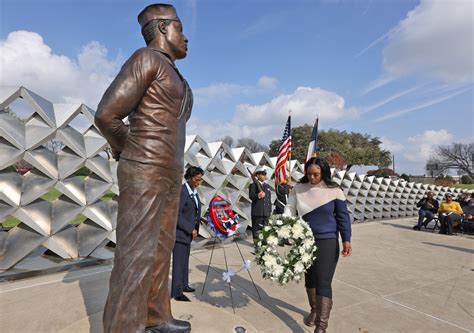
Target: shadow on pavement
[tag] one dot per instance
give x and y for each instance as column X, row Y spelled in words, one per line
column 456, row 248
column 217, row 293
column 94, row 294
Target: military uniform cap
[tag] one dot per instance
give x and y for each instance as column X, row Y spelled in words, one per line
column 260, row 169
column 155, row 12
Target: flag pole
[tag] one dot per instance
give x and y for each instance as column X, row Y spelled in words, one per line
column 289, row 157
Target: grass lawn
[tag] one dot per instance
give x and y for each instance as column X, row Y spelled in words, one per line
column 465, row 186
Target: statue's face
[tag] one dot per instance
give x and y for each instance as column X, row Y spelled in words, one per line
column 178, row 43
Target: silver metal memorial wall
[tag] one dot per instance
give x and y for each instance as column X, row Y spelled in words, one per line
column 57, row 184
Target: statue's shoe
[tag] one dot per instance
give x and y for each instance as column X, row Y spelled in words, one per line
column 171, row 326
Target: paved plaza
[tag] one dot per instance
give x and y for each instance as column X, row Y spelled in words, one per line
column 397, row 280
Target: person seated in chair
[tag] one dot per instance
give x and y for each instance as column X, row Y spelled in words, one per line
column 464, row 198
column 469, row 210
column 428, row 208
column 468, row 218
column 449, row 211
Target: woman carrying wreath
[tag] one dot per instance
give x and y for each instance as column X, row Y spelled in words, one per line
column 322, row 204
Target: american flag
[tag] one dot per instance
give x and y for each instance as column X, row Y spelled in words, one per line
column 284, row 154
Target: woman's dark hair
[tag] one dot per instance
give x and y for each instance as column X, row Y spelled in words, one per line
column 325, row 171
column 193, row 171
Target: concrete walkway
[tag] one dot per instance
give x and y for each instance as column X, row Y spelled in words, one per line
column 397, row 280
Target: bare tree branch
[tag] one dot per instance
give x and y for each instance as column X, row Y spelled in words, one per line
column 456, row 156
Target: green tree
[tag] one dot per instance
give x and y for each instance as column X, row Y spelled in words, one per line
column 405, row 176
column 355, row 148
column 466, row 179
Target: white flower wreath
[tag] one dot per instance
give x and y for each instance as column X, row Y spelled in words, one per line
column 283, row 230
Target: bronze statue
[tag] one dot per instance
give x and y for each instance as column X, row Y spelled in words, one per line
column 157, row 100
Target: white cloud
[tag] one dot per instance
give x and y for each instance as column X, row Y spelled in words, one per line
column 378, row 83
column 375, row 42
column 434, row 41
column 305, row 104
column 218, row 92
column 223, row 91
column 421, row 146
column 391, row 146
column 26, row 60
column 423, row 105
column 265, row 122
column 389, row 99
column 267, row 83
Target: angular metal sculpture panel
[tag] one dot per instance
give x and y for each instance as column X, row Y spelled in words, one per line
column 49, row 202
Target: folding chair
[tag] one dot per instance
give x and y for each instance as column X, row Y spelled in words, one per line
column 436, row 225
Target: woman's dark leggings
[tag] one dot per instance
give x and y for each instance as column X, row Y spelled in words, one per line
column 320, row 274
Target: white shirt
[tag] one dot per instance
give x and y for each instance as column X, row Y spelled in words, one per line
column 192, row 193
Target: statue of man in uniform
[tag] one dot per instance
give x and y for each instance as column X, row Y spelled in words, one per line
column 150, row 90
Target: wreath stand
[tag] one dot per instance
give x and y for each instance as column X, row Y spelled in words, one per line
column 234, row 240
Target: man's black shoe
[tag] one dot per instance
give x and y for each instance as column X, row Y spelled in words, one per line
column 182, row 298
column 188, row 289
column 171, row 326
column 416, row 227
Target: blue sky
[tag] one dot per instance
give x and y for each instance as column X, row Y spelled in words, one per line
column 399, row 70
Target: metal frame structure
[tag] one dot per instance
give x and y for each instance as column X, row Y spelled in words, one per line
column 45, row 225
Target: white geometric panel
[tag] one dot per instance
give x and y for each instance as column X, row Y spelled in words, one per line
column 64, row 113
column 12, row 130
column 9, row 153
column 94, row 142
column 35, row 184
column 43, row 107
column 95, row 188
column 69, row 162
column 6, row 209
column 48, row 224
column 64, row 211
column 37, row 132
column 101, row 167
column 19, row 242
column 64, row 243
column 44, row 160
column 72, row 139
column 36, row 215
column 10, row 187
column 74, row 188
column 90, row 236
column 99, row 213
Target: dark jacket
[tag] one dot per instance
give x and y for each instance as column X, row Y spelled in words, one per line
column 282, row 192
column 189, row 216
column 424, row 204
column 260, row 207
